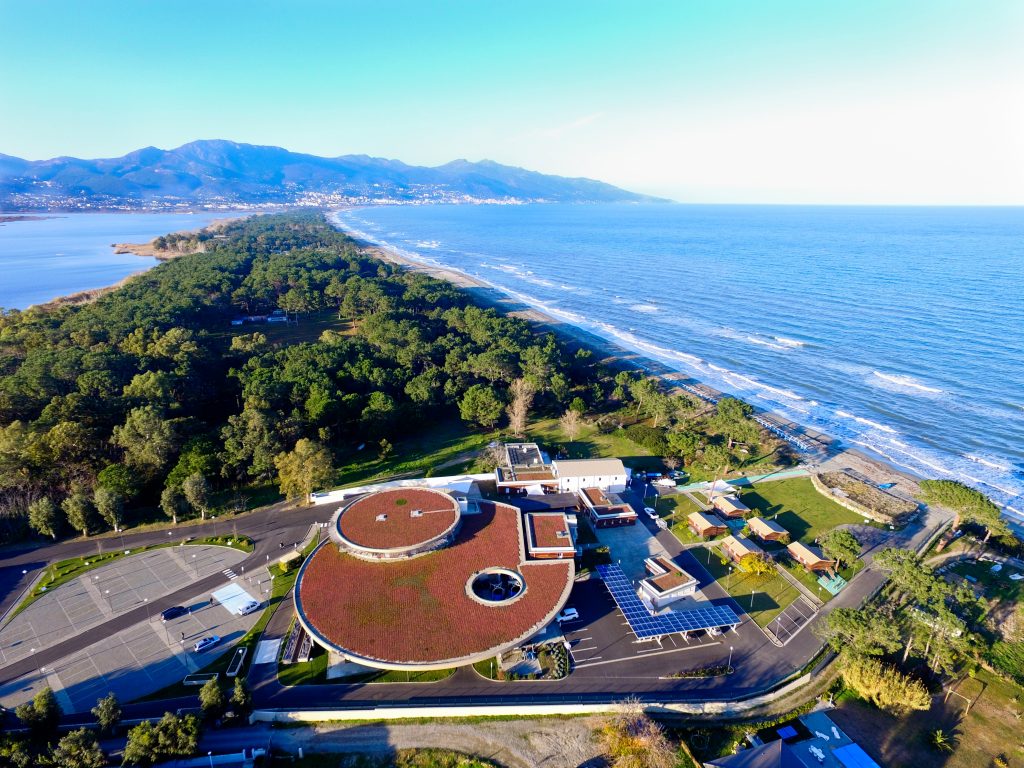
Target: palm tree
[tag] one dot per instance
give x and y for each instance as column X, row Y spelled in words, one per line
column 942, row 741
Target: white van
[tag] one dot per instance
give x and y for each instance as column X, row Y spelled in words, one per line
column 248, row 608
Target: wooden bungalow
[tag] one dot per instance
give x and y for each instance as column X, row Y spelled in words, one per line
column 767, row 530
column 706, row 526
column 811, row 558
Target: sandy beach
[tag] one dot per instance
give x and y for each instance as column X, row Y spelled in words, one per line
column 821, row 451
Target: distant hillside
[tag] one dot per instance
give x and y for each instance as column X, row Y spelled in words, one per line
column 225, row 172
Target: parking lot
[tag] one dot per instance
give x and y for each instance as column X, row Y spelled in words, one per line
column 139, row 660
column 601, row 637
column 109, row 591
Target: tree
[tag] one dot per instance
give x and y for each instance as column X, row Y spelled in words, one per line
column 522, row 391
column 147, row 439
column 860, row 632
column 172, row 737
column 968, row 504
column 79, row 510
column 41, row 715
column 251, row 444
column 305, row 469
column 884, row 686
column 44, row 517
column 840, row 545
column 481, row 405
column 632, row 740
column 684, row 445
column 79, row 749
column 757, row 564
column 119, row 478
column 570, row 423
column 15, row 754
column 240, row 696
column 197, row 492
column 110, row 505
column 107, row 712
column 173, row 502
column 211, row 699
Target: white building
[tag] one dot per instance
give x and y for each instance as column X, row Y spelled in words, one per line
column 575, row 474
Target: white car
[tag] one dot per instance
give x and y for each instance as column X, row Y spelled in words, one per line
column 248, row 608
column 205, row 643
column 651, row 512
column 567, row 614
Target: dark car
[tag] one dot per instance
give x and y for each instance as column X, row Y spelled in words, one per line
column 173, row 612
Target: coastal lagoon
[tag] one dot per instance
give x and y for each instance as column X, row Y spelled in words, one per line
column 898, row 330
column 63, row 253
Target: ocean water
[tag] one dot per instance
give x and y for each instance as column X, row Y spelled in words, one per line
column 45, row 258
column 898, row 330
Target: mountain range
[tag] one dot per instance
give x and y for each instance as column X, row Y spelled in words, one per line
column 218, row 172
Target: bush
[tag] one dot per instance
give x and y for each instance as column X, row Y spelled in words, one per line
column 650, row 438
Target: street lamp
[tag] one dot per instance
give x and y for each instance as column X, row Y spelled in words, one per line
column 729, row 665
column 210, row 755
column 195, row 565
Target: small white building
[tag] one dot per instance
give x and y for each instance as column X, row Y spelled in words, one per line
column 573, row 475
column 666, row 583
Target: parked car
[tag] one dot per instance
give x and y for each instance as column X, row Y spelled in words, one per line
column 173, row 612
column 651, row 512
column 248, row 608
column 205, row 643
column 567, row 614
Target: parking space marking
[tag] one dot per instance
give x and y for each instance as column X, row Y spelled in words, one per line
column 590, row 663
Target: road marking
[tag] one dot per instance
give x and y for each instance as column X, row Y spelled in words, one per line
column 229, row 573
column 591, row 663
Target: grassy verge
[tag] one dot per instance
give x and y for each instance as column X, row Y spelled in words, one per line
column 810, row 580
column 798, row 507
column 314, row 672
column 763, row 598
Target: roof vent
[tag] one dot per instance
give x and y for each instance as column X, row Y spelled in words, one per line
column 416, row 513
column 381, row 518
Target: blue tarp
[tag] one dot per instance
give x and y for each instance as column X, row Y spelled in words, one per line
column 852, row 756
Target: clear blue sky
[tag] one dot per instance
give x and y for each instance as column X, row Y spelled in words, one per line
column 704, row 101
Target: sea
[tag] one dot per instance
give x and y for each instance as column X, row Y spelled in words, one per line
column 898, row 330
column 63, row 253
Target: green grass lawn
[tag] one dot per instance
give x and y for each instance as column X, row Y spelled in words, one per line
column 417, row 455
column 675, row 509
column 770, row 595
column 591, row 444
column 798, row 507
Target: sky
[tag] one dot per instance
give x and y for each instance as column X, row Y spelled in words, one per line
column 899, row 102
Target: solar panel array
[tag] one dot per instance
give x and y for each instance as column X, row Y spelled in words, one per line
column 647, row 626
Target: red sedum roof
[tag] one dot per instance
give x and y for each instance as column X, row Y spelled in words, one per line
column 417, row 611
column 359, row 523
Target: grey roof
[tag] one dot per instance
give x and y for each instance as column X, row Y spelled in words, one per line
column 774, row 754
column 589, row 467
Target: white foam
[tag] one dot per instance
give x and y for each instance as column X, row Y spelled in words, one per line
column 867, row 422
column 766, row 343
column 644, row 308
column 909, row 382
column 986, row 462
column 790, row 342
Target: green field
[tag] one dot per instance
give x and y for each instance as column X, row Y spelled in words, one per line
column 675, row 508
column 762, row 598
column 314, row 672
column 592, row 444
column 798, row 507
column 810, row 580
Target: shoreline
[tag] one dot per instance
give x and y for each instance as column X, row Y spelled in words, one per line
column 149, row 250
column 822, row 452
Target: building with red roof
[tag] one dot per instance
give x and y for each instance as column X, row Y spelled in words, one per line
column 396, row 590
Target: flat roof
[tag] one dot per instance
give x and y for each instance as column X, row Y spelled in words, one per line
column 397, row 518
column 589, row 467
column 671, row 576
column 597, row 497
column 523, row 455
column 418, row 612
column 549, row 530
